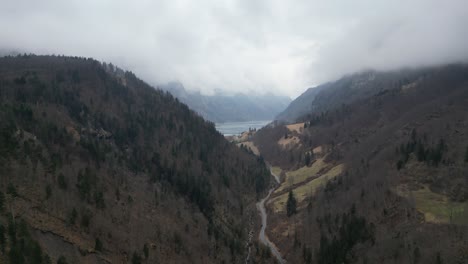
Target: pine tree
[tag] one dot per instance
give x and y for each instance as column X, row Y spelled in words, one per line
column 62, row 260
column 136, row 259
column 2, row 201
column 291, row 204
column 146, row 251
column 2, row 238
column 98, row 245
column 466, row 155
column 307, row 159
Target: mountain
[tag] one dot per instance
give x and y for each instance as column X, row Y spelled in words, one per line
column 373, row 169
column 230, row 108
column 299, row 106
column 347, row 90
column 96, row 166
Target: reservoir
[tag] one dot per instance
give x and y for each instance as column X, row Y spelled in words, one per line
column 235, row 128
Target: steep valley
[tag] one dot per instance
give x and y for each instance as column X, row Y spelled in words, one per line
column 234, row 132
column 96, row 166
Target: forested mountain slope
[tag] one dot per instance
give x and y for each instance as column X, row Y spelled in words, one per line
column 300, row 106
column 378, row 168
column 98, row 167
column 349, row 89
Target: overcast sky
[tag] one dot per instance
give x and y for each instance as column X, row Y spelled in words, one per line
column 282, row 46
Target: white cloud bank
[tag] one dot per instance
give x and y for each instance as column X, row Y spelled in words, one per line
column 245, row 45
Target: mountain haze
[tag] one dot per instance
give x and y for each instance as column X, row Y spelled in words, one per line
column 299, row 106
column 230, row 108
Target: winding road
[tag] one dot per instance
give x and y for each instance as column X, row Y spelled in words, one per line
column 262, row 236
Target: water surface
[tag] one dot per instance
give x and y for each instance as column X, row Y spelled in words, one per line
column 235, row 128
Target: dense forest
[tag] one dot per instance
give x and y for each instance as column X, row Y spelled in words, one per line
column 96, row 166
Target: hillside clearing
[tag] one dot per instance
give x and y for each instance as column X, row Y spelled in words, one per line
column 302, row 174
column 437, row 208
column 308, row 189
column 289, row 142
column 298, row 127
column 318, row 150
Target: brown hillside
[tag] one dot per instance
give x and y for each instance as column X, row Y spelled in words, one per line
column 98, row 167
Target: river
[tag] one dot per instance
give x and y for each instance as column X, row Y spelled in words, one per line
column 262, row 236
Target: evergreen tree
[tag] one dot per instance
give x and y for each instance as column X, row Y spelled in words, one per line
column 2, row 238
column 146, row 251
column 291, row 204
column 136, row 259
column 62, row 182
column 62, row 260
column 98, row 245
column 48, row 191
column 466, row 155
column 439, row 258
column 11, row 189
column 307, row 159
column 2, row 201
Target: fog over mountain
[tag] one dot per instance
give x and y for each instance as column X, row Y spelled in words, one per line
column 221, row 107
column 245, row 46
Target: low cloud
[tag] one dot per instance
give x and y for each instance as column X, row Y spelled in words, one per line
column 403, row 34
column 241, row 46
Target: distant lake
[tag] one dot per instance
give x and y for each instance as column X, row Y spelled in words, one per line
column 235, row 128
